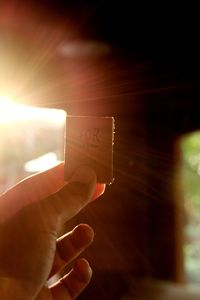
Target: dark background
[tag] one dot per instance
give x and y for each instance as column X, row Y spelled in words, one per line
column 162, row 39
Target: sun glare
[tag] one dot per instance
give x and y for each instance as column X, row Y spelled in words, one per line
column 10, row 112
column 42, row 163
column 5, row 102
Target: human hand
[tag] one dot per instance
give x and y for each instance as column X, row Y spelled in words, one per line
column 31, row 214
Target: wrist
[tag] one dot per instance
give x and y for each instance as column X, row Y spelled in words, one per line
column 12, row 289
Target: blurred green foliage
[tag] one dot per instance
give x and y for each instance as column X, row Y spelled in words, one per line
column 191, row 188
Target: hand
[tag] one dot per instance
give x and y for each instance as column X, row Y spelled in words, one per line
column 31, row 214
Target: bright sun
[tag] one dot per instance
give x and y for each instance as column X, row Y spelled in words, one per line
column 11, row 111
column 5, row 102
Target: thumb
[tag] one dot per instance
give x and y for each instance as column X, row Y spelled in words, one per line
column 68, row 201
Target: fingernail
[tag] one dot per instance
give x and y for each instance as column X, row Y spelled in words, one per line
column 83, row 174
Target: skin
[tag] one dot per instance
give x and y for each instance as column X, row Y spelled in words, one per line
column 31, row 215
